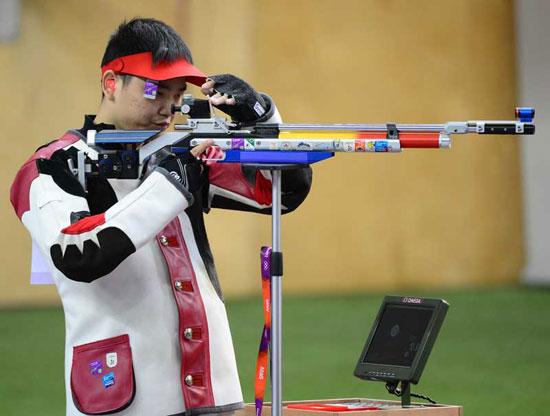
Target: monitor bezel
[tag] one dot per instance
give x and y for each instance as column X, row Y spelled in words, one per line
column 388, row 372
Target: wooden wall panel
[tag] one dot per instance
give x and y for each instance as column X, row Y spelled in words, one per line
column 385, row 222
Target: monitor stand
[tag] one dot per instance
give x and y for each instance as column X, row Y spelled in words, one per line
column 404, row 391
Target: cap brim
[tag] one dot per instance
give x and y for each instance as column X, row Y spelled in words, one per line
column 141, row 64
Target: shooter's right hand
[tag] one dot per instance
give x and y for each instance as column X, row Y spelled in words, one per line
column 185, row 169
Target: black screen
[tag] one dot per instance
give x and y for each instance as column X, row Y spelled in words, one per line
column 398, row 335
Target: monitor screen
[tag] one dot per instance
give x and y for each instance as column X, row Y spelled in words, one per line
column 398, row 335
column 401, row 338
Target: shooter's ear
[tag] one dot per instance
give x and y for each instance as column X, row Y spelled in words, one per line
column 108, row 84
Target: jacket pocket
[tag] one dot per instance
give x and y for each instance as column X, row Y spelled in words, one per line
column 102, row 376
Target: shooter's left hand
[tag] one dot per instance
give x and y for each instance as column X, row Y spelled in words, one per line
column 207, row 153
column 201, row 150
column 235, row 97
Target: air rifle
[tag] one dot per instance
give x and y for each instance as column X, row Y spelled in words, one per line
column 268, row 143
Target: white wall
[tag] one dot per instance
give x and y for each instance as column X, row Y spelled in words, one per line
column 533, row 63
column 9, row 19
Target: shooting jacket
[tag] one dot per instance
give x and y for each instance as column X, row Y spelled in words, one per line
column 146, row 326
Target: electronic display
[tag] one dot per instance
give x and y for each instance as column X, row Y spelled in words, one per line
column 398, row 335
column 401, row 339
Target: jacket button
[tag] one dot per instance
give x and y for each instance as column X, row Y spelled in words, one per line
column 189, row 380
column 163, row 240
column 178, row 285
column 188, row 333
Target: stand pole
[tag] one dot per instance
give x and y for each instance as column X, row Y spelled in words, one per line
column 276, row 306
column 405, row 394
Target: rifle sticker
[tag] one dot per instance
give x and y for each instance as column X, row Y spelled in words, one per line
column 360, row 145
column 381, row 146
column 286, row 145
column 237, row 144
column 304, row 146
column 347, row 145
column 268, row 144
column 324, row 145
column 274, row 145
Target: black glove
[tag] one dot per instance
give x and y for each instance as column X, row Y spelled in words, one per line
column 185, row 169
column 250, row 106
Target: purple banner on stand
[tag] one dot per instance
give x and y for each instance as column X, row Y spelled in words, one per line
column 264, row 342
column 259, row 404
column 263, row 351
column 266, row 262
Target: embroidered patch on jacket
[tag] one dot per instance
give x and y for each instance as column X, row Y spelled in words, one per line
column 108, row 380
column 96, row 367
column 111, row 359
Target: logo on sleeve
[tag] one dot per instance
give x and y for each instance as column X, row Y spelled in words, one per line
column 259, row 109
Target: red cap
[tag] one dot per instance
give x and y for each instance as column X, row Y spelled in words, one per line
column 141, row 65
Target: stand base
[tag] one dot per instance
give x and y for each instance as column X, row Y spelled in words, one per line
column 389, row 408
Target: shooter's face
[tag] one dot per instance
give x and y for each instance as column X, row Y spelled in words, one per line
column 134, row 111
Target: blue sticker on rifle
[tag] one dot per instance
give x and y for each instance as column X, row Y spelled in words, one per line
column 381, row 146
column 96, row 367
column 108, row 380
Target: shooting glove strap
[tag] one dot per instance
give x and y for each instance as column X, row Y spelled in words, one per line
column 250, row 106
column 186, row 171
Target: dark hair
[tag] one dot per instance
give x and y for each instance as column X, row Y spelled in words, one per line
column 146, row 35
